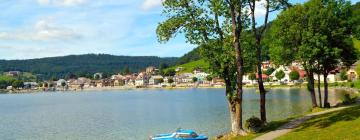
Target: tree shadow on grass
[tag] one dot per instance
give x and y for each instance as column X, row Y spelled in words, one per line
column 326, row 120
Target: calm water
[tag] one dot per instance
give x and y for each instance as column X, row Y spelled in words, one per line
column 133, row 114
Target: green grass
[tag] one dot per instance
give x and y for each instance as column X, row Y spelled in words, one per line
column 189, row 67
column 343, row 124
column 269, row 127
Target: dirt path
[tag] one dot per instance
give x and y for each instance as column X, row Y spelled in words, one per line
column 288, row 127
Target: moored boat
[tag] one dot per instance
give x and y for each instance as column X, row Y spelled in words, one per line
column 179, row 135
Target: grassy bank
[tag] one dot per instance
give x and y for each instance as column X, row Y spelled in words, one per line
column 343, row 124
column 270, row 126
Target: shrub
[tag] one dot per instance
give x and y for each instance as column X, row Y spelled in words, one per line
column 347, row 98
column 352, row 84
column 336, row 84
column 254, row 124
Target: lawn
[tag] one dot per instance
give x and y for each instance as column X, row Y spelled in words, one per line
column 270, row 126
column 343, row 124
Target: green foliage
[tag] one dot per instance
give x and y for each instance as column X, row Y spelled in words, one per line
column 170, row 72
column 269, row 71
column 297, row 39
column 170, row 80
column 356, row 20
column 161, row 80
column 294, row 75
column 252, row 76
column 280, row 74
column 194, row 79
column 59, row 67
column 343, row 75
column 209, row 77
column 17, row 84
column 189, row 67
column 193, row 55
column 254, row 124
column 6, row 81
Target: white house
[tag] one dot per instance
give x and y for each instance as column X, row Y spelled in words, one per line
column 155, row 80
column 201, row 76
column 142, row 79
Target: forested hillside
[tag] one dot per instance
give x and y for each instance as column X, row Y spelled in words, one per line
column 83, row 65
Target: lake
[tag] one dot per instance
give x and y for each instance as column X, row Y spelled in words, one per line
column 134, row 114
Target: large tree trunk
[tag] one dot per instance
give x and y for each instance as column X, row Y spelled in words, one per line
column 236, row 109
column 236, row 101
column 311, row 87
column 326, row 102
column 319, row 91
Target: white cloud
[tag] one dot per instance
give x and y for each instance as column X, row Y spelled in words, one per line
column 43, row 30
column 260, row 9
column 149, row 4
column 61, row 2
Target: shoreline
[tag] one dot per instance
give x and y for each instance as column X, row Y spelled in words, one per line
column 267, row 87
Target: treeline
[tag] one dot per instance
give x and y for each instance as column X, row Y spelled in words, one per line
column 317, row 34
column 83, row 65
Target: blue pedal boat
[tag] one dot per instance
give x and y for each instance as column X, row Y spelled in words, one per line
column 179, row 135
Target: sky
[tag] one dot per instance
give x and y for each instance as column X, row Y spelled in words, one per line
column 47, row 28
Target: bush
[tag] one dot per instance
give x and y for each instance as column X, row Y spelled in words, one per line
column 347, row 98
column 352, row 84
column 254, row 124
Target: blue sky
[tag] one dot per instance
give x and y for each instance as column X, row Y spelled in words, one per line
column 45, row 28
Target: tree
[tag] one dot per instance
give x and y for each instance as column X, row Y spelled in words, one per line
column 194, row 79
column 170, row 72
column 200, row 21
column 17, row 84
column 97, row 77
column 161, row 80
column 294, row 75
column 343, row 75
column 252, row 76
column 46, row 84
column 269, row 71
column 289, row 44
column 279, row 75
column 126, row 70
column 258, row 34
column 332, row 36
column 209, row 78
column 317, row 35
column 170, row 80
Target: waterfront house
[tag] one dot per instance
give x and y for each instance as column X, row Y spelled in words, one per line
column 201, row 76
column 155, row 80
column 184, row 78
column 118, row 80
column 13, row 73
column 351, row 73
column 79, row 83
column 30, row 85
column 151, row 70
column 130, row 80
column 142, row 79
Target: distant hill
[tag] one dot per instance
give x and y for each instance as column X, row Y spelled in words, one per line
column 193, row 55
column 84, row 65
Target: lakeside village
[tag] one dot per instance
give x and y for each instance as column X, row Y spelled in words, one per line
column 151, row 78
